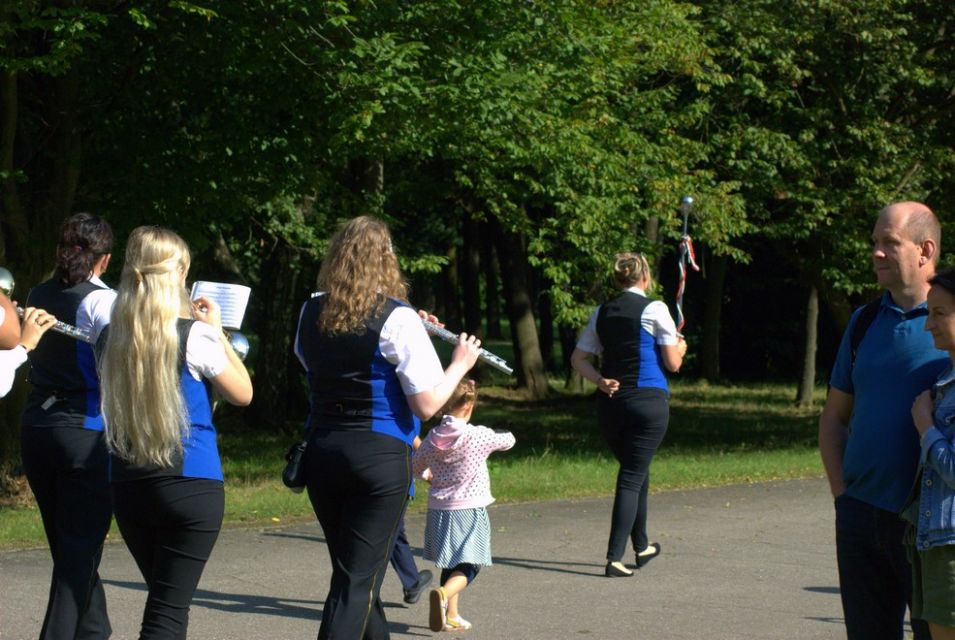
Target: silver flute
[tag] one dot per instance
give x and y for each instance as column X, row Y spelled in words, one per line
column 483, row 354
column 238, row 341
column 65, row 329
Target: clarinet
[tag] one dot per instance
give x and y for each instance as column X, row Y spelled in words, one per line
column 483, row 354
column 66, row 329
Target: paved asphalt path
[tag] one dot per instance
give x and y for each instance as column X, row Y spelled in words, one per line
column 738, row 562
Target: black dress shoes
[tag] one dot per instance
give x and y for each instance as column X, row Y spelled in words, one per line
column 617, row 570
column 413, row 594
column 648, row 554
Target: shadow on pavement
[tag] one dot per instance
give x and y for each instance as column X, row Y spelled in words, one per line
column 243, row 603
column 541, row 565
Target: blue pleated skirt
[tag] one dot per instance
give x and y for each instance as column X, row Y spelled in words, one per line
column 458, row 536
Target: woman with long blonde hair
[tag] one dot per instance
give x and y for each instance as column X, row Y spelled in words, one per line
column 159, row 361
column 372, row 374
column 638, row 342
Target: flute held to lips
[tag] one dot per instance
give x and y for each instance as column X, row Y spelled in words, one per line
column 484, row 354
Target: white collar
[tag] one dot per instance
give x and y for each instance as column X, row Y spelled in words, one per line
column 636, row 290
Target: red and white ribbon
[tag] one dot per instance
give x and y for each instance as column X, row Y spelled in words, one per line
column 687, row 257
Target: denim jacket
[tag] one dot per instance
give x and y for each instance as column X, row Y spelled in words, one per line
column 935, row 483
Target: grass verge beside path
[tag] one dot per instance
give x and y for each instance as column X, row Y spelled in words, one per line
column 718, row 435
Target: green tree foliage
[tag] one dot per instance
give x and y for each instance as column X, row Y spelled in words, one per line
column 833, row 110
column 557, row 129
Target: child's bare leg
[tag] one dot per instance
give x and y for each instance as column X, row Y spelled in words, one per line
column 454, row 585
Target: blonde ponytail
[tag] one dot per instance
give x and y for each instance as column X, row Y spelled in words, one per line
column 630, row 268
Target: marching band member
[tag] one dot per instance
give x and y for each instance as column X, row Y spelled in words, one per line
column 63, row 451
column 372, row 373
column 159, row 361
column 9, row 326
column 639, row 342
column 36, row 322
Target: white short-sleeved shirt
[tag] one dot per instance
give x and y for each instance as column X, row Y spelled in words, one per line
column 656, row 320
column 205, row 353
column 10, row 359
column 92, row 315
column 404, row 343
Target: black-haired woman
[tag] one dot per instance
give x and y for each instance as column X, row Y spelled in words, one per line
column 64, row 453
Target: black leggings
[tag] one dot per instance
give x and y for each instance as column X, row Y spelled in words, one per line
column 469, row 571
column 358, row 485
column 67, row 471
column 633, row 423
column 170, row 525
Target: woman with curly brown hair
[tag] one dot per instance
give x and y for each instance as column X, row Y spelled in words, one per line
column 372, row 375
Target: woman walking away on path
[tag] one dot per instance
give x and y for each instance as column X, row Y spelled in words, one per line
column 457, row 536
column 64, row 454
column 930, row 537
column 159, row 358
column 372, row 373
column 637, row 340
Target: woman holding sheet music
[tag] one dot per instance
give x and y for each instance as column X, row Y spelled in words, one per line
column 159, row 361
column 372, row 374
column 64, row 455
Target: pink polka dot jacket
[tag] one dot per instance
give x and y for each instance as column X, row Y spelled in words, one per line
column 457, row 452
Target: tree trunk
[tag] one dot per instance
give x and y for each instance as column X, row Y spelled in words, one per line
column 546, row 330
column 449, row 305
column 373, row 185
column 568, row 341
column 13, row 218
column 531, row 375
column 712, row 318
column 807, row 382
column 30, row 226
column 471, row 277
column 839, row 306
column 492, row 300
column 651, row 230
column 277, row 372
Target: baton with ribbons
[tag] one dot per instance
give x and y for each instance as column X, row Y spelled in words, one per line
column 687, row 258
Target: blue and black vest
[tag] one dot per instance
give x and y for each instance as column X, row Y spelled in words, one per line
column 200, row 456
column 62, row 369
column 630, row 352
column 352, row 387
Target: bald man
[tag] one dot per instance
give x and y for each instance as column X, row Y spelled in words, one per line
column 868, row 443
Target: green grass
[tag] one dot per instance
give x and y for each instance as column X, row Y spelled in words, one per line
column 717, row 435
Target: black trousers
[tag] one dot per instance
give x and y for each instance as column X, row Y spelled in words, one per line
column 67, row 471
column 402, row 560
column 170, row 525
column 633, row 423
column 358, row 485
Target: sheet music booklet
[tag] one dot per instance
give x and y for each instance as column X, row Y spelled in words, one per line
column 231, row 298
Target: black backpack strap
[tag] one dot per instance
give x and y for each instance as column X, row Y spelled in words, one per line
column 863, row 322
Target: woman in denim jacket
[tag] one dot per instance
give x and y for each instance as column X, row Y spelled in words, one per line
column 932, row 506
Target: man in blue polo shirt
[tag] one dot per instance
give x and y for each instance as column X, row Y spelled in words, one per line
column 868, row 444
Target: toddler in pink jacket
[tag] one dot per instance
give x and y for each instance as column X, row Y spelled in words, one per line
column 457, row 536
